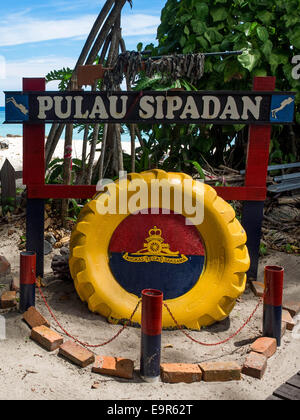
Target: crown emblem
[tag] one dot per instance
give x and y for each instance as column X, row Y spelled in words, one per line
column 155, row 249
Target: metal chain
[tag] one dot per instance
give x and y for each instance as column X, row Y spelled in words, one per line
column 76, row 339
column 180, row 327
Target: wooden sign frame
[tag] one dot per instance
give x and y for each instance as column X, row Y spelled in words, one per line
column 253, row 193
column 152, row 107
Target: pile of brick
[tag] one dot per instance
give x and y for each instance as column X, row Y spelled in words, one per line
column 218, row 371
column 121, row 367
column 263, row 348
column 208, row 372
column 50, row 340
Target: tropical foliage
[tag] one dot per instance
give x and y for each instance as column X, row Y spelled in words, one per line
column 268, row 32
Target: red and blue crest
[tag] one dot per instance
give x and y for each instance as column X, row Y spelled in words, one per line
column 157, row 251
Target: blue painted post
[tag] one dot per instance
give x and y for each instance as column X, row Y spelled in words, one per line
column 151, row 334
column 272, row 312
column 27, row 280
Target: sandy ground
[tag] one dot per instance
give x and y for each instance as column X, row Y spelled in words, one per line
column 15, row 151
column 29, row 372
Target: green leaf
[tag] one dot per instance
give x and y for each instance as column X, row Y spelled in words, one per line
column 198, row 26
column 54, row 162
column 291, row 6
column 261, row 72
column 198, row 168
column 202, row 41
column 245, row 27
column 291, row 20
column 265, row 17
column 208, row 66
column 277, row 58
column 239, row 127
column 249, row 60
column 185, row 18
column 295, row 38
column 186, row 30
column 202, row 11
column 220, row 66
column 267, row 48
column 190, row 48
column 213, row 36
column 182, row 41
column 218, row 13
column 139, row 46
column 262, row 33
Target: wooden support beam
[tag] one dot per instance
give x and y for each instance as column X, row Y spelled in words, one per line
column 256, row 176
column 34, row 173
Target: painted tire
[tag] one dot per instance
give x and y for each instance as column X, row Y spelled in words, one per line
column 209, row 298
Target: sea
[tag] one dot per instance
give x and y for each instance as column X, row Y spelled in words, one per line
column 17, row 129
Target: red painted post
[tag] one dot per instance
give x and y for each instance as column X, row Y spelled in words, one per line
column 34, row 174
column 272, row 315
column 151, row 334
column 27, row 280
column 34, row 141
column 256, row 176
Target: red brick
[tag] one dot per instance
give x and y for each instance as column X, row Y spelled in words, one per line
column 47, row 338
column 180, row 372
column 34, row 318
column 8, row 300
column 114, row 366
column 220, row 371
column 255, row 365
column 76, row 354
column 287, row 318
column 258, row 288
column 265, row 345
column 292, row 306
column 4, row 266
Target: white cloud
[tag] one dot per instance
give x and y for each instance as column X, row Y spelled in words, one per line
column 139, row 24
column 33, row 30
column 17, row 30
column 21, row 28
column 39, row 67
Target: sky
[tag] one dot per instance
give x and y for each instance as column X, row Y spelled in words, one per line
column 37, row 36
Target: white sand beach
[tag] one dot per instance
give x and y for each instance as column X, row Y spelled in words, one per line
column 14, row 153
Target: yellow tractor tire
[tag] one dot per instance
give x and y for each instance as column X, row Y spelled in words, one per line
column 213, row 295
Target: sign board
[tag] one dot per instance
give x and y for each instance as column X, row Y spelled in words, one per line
column 165, row 107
